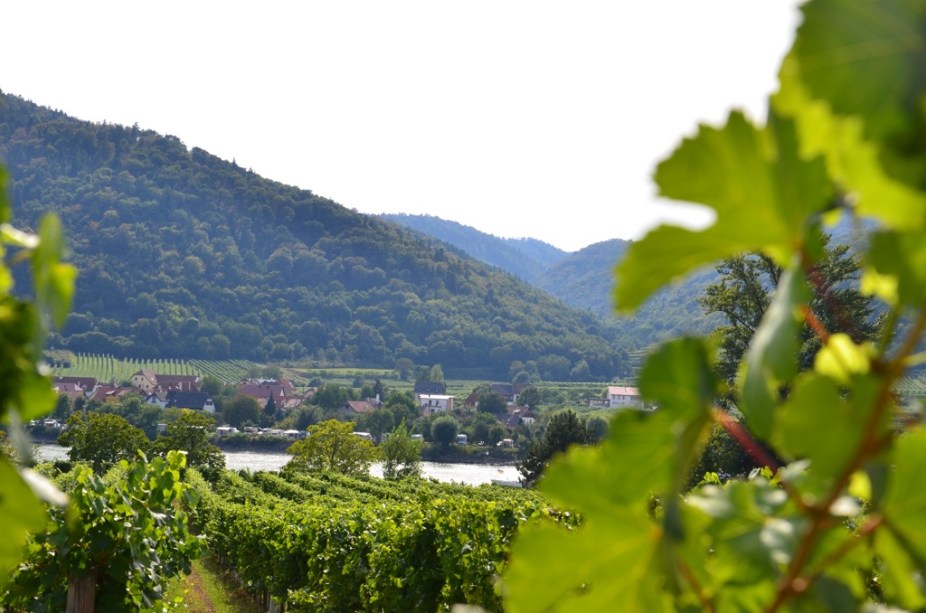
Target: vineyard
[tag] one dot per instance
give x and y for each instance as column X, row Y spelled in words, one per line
column 110, row 368
column 336, row 543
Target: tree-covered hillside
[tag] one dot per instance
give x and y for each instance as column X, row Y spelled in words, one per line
column 526, row 258
column 585, row 280
column 183, row 254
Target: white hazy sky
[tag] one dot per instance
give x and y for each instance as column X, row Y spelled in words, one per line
column 519, row 118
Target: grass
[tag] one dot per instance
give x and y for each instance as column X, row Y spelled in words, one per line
column 209, row 589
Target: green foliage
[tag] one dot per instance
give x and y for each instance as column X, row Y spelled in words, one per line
column 444, row 430
column 492, row 402
column 401, row 455
column 102, row 439
column 241, row 410
column 332, row 446
column 25, row 392
column 835, row 519
column 564, row 430
column 121, row 538
column 329, row 542
column 742, row 295
column 189, row 434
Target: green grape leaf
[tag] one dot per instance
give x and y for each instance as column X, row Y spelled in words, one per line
column 602, row 566
column 760, row 187
column 613, row 488
column 635, row 462
column 865, row 58
column 899, row 575
column 645, row 453
column 904, row 504
column 852, row 161
column 749, row 537
column 772, row 355
column 680, row 378
column 54, row 280
column 841, row 358
column 821, row 423
column 901, row 256
column 22, row 514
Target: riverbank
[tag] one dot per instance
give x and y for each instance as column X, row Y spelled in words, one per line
column 243, row 443
column 453, row 454
column 470, row 473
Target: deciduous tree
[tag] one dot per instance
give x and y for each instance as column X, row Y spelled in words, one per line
column 333, row 446
column 564, row 430
column 444, row 430
column 743, row 292
column 241, row 410
column 102, row 439
column 401, row 454
column 189, row 433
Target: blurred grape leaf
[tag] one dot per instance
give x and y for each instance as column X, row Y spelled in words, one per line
column 22, row 513
column 756, row 181
column 773, row 353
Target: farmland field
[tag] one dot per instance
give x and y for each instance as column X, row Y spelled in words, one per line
column 109, row 368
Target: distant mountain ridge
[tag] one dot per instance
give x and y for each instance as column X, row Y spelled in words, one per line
column 525, row 258
column 583, row 279
column 182, row 254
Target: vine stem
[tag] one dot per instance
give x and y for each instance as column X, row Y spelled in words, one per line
column 872, row 443
column 706, row 603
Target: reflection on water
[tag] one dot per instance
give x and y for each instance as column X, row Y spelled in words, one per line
column 472, row 474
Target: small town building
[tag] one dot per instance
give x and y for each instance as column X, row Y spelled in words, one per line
column 435, row 403
column 619, row 396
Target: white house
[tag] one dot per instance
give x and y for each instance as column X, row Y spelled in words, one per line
column 435, row 403
column 619, row 396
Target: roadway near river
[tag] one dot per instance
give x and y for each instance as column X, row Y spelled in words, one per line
column 472, row 474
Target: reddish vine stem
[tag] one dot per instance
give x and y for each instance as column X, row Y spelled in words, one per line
column 742, row 436
column 706, row 603
column 872, row 444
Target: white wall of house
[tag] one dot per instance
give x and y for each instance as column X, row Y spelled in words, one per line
column 433, row 403
column 620, row 396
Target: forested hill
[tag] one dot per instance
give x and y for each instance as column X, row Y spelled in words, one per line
column 583, row 279
column 586, row 280
column 183, row 254
column 526, row 258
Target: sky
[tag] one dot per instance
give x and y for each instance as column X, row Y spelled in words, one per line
column 519, row 118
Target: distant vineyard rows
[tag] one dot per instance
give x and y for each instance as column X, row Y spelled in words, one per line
column 110, row 368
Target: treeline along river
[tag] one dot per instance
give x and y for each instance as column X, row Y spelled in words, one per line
column 471, row 474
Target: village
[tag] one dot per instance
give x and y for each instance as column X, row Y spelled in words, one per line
column 280, row 397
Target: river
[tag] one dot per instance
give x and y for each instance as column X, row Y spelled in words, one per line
column 471, row 474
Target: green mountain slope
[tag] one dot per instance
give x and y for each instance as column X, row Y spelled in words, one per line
column 525, row 258
column 586, row 280
column 583, row 279
column 183, row 254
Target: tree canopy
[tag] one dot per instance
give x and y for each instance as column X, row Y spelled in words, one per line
column 102, row 439
column 743, row 292
column 332, row 446
column 189, row 433
column 401, row 454
column 564, row 430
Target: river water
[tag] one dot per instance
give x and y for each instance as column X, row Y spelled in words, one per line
column 471, row 474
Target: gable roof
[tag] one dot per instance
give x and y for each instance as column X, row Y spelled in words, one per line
column 359, row 406
column 430, row 387
column 87, row 383
column 186, row 400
